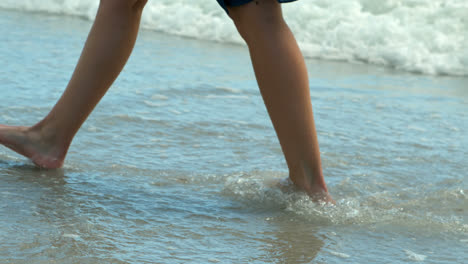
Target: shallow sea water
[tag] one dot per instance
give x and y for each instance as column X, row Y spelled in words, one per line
column 179, row 163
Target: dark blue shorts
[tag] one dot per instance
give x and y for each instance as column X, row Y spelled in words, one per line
column 225, row 3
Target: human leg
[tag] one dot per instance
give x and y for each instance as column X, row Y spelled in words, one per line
column 105, row 53
column 283, row 80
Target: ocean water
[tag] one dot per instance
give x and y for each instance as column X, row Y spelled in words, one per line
column 422, row 36
column 179, row 163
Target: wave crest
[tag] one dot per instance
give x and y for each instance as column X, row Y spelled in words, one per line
column 423, row 36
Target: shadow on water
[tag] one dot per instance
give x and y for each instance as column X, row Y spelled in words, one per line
column 295, row 241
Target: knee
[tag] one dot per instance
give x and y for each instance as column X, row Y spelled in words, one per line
column 257, row 18
column 123, row 5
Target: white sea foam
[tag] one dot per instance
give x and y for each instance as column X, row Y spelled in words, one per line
column 266, row 190
column 74, row 236
column 339, row 254
column 414, row 256
column 159, row 97
column 426, row 36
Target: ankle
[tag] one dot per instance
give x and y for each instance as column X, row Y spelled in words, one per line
column 308, row 178
column 47, row 134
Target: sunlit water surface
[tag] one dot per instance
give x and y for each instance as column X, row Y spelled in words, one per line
column 179, row 163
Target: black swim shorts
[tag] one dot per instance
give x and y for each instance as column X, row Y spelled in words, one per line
column 225, row 3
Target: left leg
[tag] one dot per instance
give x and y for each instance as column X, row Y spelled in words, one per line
column 105, row 53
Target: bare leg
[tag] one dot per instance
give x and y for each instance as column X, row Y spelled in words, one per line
column 283, row 80
column 105, row 53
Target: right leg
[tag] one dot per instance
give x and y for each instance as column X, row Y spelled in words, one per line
column 104, row 55
column 283, row 81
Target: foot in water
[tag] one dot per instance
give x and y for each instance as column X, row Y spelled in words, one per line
column 317, row 195
column 320, row 195
column 30, row 143
column 315, row 187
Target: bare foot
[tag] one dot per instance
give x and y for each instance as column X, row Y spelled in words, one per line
column 312, row 184
column 31, row 144
column 320, row 195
